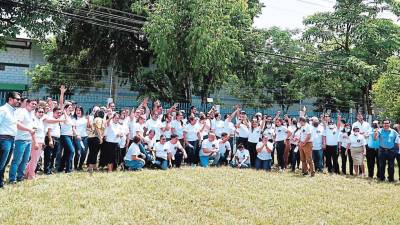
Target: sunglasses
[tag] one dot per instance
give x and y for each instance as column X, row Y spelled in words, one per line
column 40, row 111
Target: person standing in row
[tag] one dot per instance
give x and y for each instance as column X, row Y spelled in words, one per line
column 95, row 139
column 388, row 138
column 24, row 140
column 330, row 144
column 373, row 150
column 281, row 135
column 67, row 132
column 356, row 145
column 254, row 137
column 80, row 140
column 317, row 131
column 306, row 148
column 345, row 154
column 8, row 130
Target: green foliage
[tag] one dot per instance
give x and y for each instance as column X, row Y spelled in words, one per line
column 386, row 90
column 197, row 43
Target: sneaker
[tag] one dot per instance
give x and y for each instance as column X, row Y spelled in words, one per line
column 12, row 182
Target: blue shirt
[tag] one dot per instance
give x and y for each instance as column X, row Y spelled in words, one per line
column 372, row 143
column 387, row 138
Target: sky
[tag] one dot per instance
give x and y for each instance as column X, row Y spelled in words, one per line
column 289, row 14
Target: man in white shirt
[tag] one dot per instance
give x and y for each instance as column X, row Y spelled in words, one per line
column 24, row 139
column 154, row 124
column 306, row 148
column 330, row 146
column 177, row 152
column 317, row 131
column 364, row 126
column 242, row 158
column 8, row 130
column 209, row 150
column 225, row 149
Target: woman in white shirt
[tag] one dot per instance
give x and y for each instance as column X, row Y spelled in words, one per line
column 131, row 159
column 80, row 140
column 294, row 156
column 177, row 127
column 192, row 137
column 166, row 126
column 264, row 149
column 68, row 131
column 109, row 150
column 242, row 158
column 357, row 147
column 255, row 133
column 281, row 134
column 344, row 153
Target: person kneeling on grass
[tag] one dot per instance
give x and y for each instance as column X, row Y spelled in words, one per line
column 132, row 160
column 162, row 153
column 264, row 149
column 242, row 158
column 209, row 150
column 177, row 152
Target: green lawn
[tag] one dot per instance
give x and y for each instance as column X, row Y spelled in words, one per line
column 199, row 196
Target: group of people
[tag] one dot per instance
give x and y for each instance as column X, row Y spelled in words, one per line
column 58, row 137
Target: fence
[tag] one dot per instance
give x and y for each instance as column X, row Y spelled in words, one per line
column 129, row 101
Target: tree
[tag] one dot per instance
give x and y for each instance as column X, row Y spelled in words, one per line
column 386, row 90
column 354, row 37
column 197, row 43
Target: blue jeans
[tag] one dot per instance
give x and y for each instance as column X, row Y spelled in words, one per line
column 204, row 160
column 318, row 158
column 6, row 150
column 134, row 164
column 263, row 164
column 80, row 153
column 161, row 163
column 20, row 160
column 68, row 153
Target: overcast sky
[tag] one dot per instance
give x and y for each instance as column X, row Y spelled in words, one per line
column 290, row 13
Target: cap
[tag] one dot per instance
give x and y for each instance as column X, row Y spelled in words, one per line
column 258, row 114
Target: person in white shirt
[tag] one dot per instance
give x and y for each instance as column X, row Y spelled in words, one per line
column 364, row 126
column 177, row 126
column 330, row 146
column 80, row 140
column 356, row 145
column 192, row 137
column 218, row 125
column 317, row 131
column 8, row 130
column 52, row 149
column 25, row 138
column 254, row 137
column 149, row 141
column 209, row 150
column 344, row 153
column 131, row 159
column 162, row 153
column 154, row 124
column 166, row 126
column 281, row 135
column 306, row 148
column 225, row 149
column 294, row 139
column 242, row 129
column 264, row 149
column 242, row 158
column 112, row 133
column 178, row 153
column 67, row 132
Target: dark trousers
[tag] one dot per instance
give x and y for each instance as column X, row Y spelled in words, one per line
column 50, row 154
column 178, row 159
column 294, row 157
column 253, row 153
column 94, row 148
column 344, row 160
column 386, row 156
column 243, row 141
column 280, row 151
column 192, row 152
column 68, row 153
column 372, row 158
column 331, row 157
column 398, row 162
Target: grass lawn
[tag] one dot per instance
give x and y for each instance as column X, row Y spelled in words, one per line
column 199, row 196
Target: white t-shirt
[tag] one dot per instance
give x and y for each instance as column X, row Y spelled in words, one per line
column 209, row 145
column 223, row 147
column 132, row 129
column 124, row 132
column 133, row 150
column 242, row 155
column 66, row 127
column 161, row 150
column 154, row 125
column 316, row 136
column 112, row 131
column 332, row 136
column 178, row 127
column 269, row 132
column 166, row 133
column 304, row 131
column 281, row 133
column 149, row 142
column 40, row 132
column 295, row 137
column 191, row 132
column 254, row 135
column 81, row 126
column 229, row 128
column 264, row 154
column 206, row 130
column 218, row 127
column 243, row 131
column 55, row 129
column 172, row 148
column 26, row 118
column 357, row 141
column 365, row 127
column 344, row 139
